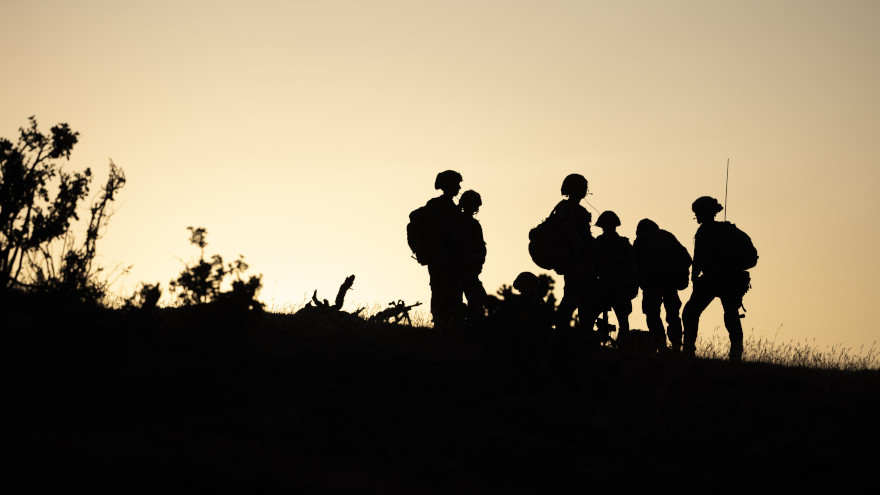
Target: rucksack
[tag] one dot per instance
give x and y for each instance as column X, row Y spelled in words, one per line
column 740, row 254
column 418, row 236
column 547, row 245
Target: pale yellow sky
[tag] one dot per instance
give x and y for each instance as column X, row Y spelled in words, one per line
column 301, row 134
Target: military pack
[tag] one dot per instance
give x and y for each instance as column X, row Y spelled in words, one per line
column 418, row 234
column 740, row 253
column 547, row 245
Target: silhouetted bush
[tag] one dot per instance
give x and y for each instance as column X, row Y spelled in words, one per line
column 201, row 282
column 145, row 298
column 38, row 251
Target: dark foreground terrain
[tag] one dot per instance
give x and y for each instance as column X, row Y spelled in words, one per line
column 201, row 400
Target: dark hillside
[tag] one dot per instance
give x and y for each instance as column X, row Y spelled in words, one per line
column 203, row 399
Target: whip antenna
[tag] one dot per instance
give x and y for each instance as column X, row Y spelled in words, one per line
column 726, row 181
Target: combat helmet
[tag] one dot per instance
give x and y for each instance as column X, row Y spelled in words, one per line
column 470, row 200
column 526, row 282
column 574, row 185
column 646, row 227
column 448, row 179
column 706, row 204
column 608, row 219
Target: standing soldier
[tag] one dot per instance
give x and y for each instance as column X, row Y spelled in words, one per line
column 432, row 236
column 575, row 265
column 663, row 268
column 472, row 249
column 615, row 266
column 722, row 254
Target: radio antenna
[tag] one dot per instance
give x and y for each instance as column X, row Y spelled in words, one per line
column 726, row 181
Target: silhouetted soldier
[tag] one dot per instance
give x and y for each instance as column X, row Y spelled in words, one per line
column 721, row 258
column 534, row 311
column 439, row 225
column 534, row 316
column 472, row 252
column 615, row 266
column 663, row 268
column 579, row 278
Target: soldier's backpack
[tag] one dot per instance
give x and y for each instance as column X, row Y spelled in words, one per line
column 418, row 235
column 547, row 245
column 740, row 253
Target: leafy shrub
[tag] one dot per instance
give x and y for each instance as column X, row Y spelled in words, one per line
column 146, row 297
column 33, row 221
column 201, row 281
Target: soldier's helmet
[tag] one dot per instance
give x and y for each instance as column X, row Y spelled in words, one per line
column 526, row 282
column 706, row 204
column 608, row 219
column 645, row 227
column 447, row 179
column 574, row 185
column 470, row 201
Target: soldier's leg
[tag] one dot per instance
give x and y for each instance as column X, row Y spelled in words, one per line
column 446, row 296
column 672, row 305
column 622, row 309
column 732, row 303
column 475, row 294
column 651, row 301
column 590, row 304
column 568, row 303
column 587, row 316
column 690, row 316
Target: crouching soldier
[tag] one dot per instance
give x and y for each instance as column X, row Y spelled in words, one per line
column 533, row 316
column 663, row 269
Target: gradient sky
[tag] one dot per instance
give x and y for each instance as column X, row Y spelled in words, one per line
column 301, row 134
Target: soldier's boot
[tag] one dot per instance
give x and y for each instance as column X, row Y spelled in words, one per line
column 658, row 334
column 736, row 351
column 674, row 332
column 690, row 319
column 734, row 329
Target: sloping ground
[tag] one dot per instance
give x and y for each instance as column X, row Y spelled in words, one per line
column 204, row 400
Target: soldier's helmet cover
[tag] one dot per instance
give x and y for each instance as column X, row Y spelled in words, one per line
column 447, row 179
column 608, row 219
column 526, row 282
column 706, row 204
column 470, row 200
column 574, row 185
column 646, row 226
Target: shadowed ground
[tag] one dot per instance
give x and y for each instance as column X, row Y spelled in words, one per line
column 202, row 399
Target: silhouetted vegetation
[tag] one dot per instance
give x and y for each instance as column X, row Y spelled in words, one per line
column 38, row 204
column 201, row 281
column 145, row 298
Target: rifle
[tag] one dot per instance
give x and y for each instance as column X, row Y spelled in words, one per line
column 397, row 311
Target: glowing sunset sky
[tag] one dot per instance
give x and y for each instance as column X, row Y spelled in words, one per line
column 301, row 134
